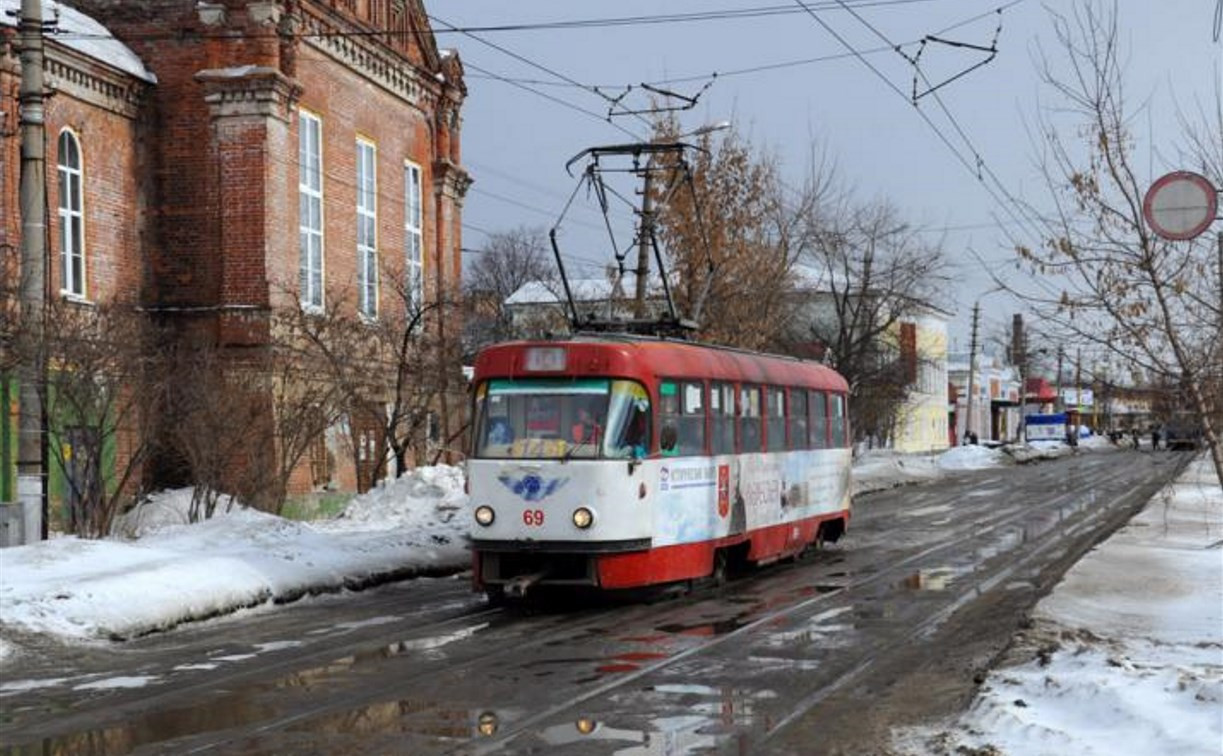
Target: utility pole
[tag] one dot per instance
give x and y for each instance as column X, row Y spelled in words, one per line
column 1019, row 355
column 972, row 368
column 1059, row 404
column 1078, row 383
column 31, row 471
column 643, row 241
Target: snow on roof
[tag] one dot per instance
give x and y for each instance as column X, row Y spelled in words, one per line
column 81, row 33
column 583, row 289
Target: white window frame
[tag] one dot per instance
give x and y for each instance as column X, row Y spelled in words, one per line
column 367, row 227
column 414, row 237
column 71, row 214
column 310, row 206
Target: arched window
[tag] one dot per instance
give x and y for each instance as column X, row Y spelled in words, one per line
column 71, row 216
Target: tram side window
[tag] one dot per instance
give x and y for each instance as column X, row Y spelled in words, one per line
column 683, row 418
column 749, row 419
column 839, row 421
column 819, row 420
column 692, row 419
column 798, row 419
column 775, row 418
column 722, row 410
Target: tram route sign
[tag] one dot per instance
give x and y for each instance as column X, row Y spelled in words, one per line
column 1180, row 205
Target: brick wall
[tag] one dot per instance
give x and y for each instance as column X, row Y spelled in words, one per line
column 199, row 212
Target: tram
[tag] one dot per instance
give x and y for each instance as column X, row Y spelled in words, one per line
column 620, row 462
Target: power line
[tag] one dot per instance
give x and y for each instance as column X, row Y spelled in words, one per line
column 974, row 170
column 551, row 72
column 733, row 14
column 525, row 206
column 551, row 98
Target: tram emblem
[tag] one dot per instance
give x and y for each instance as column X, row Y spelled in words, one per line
column 532, row 487
column 723, row 490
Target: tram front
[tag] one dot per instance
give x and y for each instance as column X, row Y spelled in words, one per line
column 555, row 476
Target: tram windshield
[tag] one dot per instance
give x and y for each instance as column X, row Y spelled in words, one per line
column 562, row 418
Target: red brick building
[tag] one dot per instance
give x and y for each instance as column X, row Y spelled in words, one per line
column 236, row 157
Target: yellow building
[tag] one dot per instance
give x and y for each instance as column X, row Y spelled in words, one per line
column 921, row 422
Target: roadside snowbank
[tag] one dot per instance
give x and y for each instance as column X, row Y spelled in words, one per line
column 174, row 573
column 971, row 457
column 1126, row 653
column 880, row 469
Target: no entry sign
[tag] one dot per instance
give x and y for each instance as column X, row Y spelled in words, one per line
column 1180, row 205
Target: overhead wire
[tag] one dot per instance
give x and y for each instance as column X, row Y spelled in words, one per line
column 546, row 96
column 974, row 170
column 551, row 72
column 1028, row 224
column 733, row 14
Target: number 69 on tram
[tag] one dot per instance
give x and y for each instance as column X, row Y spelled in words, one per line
column 618, row 462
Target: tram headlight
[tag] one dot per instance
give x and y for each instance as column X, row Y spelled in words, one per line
column 486, row 723
column 583, row 518
column 586, row 725
column 485, row 515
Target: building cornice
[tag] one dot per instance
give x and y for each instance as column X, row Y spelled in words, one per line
column 392, row 72
column 451, row 180
column 83, row 78
column 249, row 91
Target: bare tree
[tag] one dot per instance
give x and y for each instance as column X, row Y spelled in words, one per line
column 1152, row 303
column 506, row 262
column 102, row 389
column 871, row 275
column 214, row 419
column 395, row 375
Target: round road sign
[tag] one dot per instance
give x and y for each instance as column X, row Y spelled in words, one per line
column 1180, row 205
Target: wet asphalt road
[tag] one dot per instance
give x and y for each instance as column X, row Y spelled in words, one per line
column 816, row 656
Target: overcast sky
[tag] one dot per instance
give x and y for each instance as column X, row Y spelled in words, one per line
column 516, row 142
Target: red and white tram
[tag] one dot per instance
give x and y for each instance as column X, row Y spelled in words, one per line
column 621, row 462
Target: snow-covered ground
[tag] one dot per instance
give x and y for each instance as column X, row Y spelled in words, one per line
column 1128, row 649
column 172, row 572
column 1125, row 656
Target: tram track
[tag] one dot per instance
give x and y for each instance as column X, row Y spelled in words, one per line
column 565, row 628
column 1119, row 509
column 507, row 638
column 975, row 531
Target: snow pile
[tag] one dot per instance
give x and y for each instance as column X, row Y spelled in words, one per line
column 164, row 509
column 971, row 457
column 880, row 469
column 77, row 588
column 424, row 497
column 1033, row 451
column 1126, row 654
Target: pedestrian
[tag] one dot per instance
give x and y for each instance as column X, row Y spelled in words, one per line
column 1134, row 436
column 1154, row 437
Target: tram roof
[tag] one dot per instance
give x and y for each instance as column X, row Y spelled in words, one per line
column 646, row 357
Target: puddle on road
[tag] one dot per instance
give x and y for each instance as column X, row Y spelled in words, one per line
column 932, row 579
column 705, row 629
column 409, row 716
column 232, row 709
column 713, row 719
column 156, row 727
